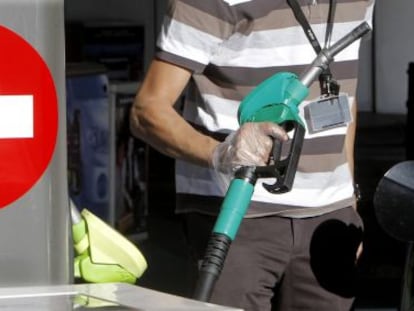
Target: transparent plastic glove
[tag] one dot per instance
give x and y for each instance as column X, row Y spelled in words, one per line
column 250, row 145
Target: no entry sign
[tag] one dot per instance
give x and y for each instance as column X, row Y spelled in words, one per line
column 28, row 116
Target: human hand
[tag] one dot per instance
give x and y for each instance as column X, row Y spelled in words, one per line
column 250, row 145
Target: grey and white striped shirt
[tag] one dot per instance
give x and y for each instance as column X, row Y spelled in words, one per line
column 232, row 46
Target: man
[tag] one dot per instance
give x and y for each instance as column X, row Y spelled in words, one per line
column 295, row 250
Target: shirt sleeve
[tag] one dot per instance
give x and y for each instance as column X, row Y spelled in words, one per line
column 192, row 32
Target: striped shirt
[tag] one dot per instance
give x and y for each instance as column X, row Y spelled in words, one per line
column 233, row 45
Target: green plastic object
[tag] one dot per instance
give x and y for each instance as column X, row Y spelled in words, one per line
column 234, row 207
column 103, row 254
column 276, row 99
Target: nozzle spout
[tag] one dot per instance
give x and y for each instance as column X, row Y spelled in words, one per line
column 326, row 56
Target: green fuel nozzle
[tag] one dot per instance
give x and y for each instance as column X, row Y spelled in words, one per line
column 277, row 98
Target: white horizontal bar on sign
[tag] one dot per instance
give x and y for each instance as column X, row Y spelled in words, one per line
column 16, row 116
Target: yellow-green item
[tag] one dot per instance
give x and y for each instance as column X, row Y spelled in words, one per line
column 103, row 254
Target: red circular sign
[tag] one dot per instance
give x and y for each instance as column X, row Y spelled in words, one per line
column 28, row 116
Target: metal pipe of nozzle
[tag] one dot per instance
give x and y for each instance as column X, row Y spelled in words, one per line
column 326, row 56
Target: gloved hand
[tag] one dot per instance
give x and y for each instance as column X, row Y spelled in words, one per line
column 250, row 145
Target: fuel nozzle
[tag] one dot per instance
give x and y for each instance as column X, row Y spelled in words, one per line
column 277, row 99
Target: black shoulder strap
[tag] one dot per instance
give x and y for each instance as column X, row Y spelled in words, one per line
column 327, row 83
column 303, row 21
column 330, row 22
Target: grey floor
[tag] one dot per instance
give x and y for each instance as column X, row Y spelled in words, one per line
column 380, row 144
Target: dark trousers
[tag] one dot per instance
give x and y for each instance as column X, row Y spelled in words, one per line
column 278, row 263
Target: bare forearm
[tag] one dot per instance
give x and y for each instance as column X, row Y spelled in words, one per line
column 165, row 130
column 154, row 119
